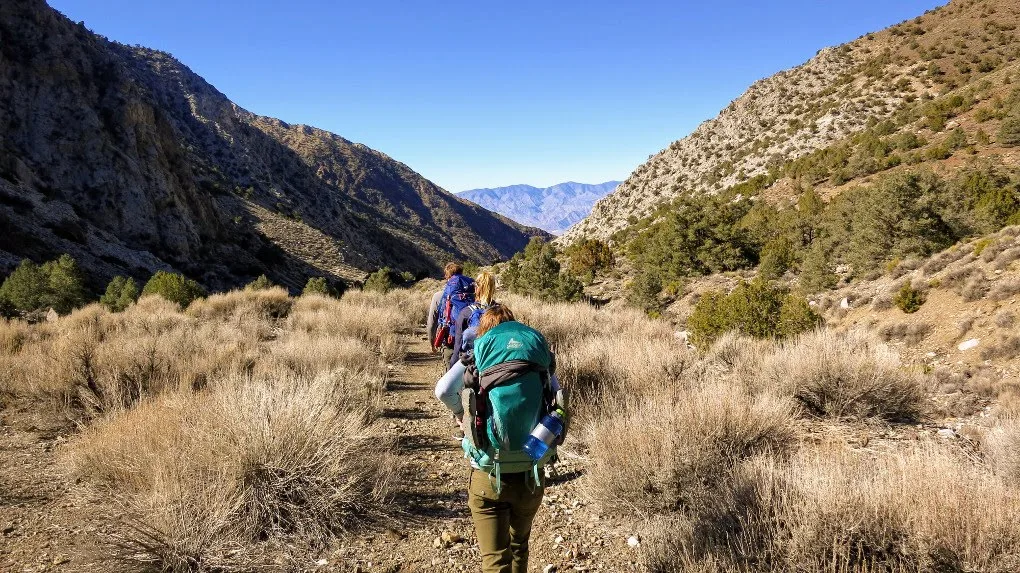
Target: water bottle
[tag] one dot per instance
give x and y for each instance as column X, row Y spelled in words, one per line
column 544, row 434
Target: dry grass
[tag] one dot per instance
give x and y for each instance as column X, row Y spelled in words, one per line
column 910, row 332
column 227, row 432
column 1006, row 348
column 925, row 510
column 845, row 376
column 1004, row 288
column 201, row 476
column 375, row 318
column 669, row 451
column 1002, row 444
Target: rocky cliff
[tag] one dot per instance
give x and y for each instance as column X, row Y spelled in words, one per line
column 126, row 159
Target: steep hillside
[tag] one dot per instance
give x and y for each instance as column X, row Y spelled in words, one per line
column 124, row 158
column 553, row 209
column 838, row 93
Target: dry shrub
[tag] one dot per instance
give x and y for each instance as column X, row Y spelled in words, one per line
column 910, row 332
column 13, row 334
column 964, row 325
column 883, row 301
column 844, row 375
column 1002, row 445
column 1005, row 319
column 1004, row 288
column 96, row 362
column 272, row 303
column 373, row 317
column 669, row 451
column 905, row 267
column 925, row 510
column 957, row 278
column 307, row 356
column 942, row 260
column 975, row 289
column 1006, row 258
column 563, row 324
column 1007, row 348
column 205, row 478
column 993, row 250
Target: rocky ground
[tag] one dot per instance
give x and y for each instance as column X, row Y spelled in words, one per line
column 45, row 525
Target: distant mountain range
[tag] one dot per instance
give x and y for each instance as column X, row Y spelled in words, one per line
column 554, row 209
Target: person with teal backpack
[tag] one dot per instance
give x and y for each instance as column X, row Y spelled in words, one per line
column 501, row 392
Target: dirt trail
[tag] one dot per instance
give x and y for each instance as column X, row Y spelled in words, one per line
column 568, row 533
column 44, row 526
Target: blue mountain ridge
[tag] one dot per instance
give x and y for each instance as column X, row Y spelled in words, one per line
column 554, row 209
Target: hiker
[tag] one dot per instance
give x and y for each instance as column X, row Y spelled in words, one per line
column 432, row 324
column 468, row 319
column 458, row 293
column 509, row 386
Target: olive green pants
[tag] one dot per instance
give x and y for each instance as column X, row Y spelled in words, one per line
column 503, row 521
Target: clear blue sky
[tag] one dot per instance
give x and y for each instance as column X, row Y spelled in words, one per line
column 484, row 94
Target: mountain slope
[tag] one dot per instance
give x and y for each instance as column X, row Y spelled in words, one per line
column 124, row 158
column 553, row 209
column 833, row 96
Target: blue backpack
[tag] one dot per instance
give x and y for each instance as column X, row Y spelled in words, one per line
column 458, row 294
column 470, row 333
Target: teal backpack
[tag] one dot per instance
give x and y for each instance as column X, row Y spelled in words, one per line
column 508, row 391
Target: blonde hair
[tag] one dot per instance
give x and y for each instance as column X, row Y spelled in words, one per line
column 485, row 287
column 496, row 315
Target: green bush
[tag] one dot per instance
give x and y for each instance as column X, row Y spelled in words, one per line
column 695, row 236
column 173, row 287
column 759, row 309
column 319, row 285
column 1009, row 131
column 909, row 299
column 589, row 257
column 643, row 292
column 25, row 287
column 56, row 284
column 260, row 283
column 380, row 281
column 471, row 269
column 120, row 294
column 536, row 272
column 777, row 256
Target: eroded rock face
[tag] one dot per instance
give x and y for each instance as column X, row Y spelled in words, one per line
column 124, row 158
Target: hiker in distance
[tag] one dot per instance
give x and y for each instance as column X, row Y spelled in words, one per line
column 465, row 325
column 509, row 404
column 458, row 293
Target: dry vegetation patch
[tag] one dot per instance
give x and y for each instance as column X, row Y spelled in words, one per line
column 203, row 477
column 228, row 433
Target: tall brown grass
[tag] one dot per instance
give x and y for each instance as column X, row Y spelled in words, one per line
column 202, row 478
column 718, row 453
column 845, row 375
column 925, row 509
column 225, row 432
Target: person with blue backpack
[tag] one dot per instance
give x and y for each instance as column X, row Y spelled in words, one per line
column 505, row 394
column 466, row 323
column 458, row 294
